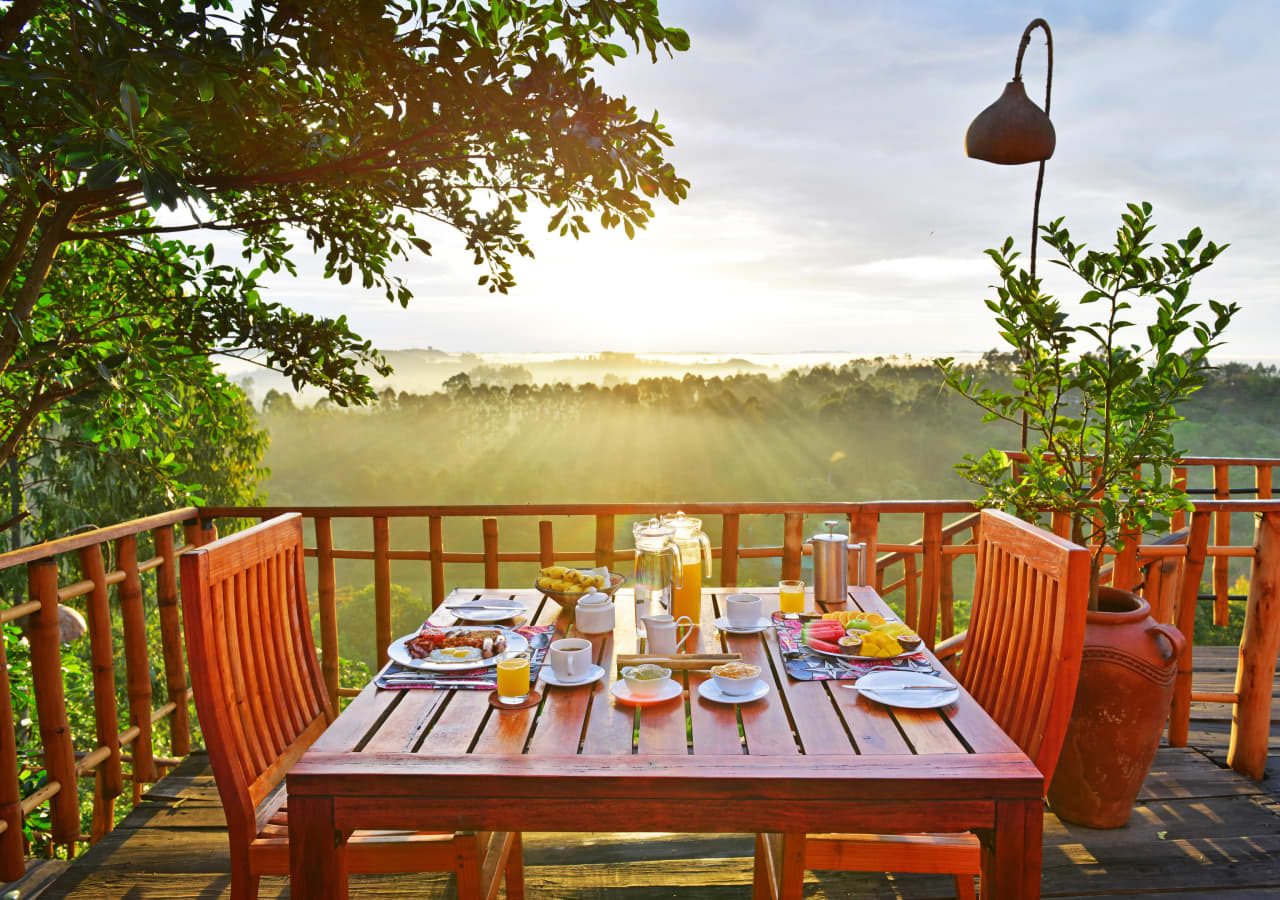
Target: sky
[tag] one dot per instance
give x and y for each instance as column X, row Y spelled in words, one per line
column 832, row 207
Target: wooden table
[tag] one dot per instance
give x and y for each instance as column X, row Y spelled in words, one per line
column 810, row 757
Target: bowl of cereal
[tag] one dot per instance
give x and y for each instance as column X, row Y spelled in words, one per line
column 736, row 678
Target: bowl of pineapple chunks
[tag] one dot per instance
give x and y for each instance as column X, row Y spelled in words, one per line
column 565, row 585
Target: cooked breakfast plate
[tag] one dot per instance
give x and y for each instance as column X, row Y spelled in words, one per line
column 456, row 648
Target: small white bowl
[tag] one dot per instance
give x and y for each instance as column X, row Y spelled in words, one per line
column 736, row 687
column 646, row 687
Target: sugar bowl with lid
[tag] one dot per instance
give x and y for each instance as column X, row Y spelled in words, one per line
column 595, row 614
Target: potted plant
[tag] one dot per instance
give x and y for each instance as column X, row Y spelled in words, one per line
column 1096, row 400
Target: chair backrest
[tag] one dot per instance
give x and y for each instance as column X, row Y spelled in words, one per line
column 258, row 686
column 1022, row 656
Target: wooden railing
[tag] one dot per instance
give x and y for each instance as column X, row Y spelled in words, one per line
column 724, row 521
column 924, row 538
column 82, row 557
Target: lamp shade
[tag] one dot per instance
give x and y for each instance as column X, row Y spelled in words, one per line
column 1011, row 131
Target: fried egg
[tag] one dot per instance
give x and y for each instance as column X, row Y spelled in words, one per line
column 455, row 654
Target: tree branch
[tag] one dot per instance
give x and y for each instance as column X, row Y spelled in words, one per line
column 18, row 248
column 15, row 20
column 173, row 229
column 51, row 236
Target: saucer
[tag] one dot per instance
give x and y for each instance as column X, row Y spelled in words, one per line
column 710, row 691
column 594, row 674
column 622, row 693
column 761, row 624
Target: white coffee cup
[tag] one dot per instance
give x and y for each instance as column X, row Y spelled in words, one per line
column 742, row 610
column 570, row 658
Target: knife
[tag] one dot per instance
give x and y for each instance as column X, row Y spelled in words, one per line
column 513, row 610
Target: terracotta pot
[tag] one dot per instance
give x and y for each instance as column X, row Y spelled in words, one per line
column 1126, row 686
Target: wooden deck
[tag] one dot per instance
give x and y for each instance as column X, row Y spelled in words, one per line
column 1199, row 831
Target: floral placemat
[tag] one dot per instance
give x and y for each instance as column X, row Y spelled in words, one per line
column 803, row 664
column 396, row 677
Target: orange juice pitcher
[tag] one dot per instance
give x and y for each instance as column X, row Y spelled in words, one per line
column 695, row 558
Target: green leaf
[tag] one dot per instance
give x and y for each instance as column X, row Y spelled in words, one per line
column 130, row 104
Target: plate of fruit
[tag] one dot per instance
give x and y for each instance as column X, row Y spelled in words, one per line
column 861, row 636
column 565, row 585
column 435, row 649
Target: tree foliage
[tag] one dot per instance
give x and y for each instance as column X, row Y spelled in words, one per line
column 1099, row 396
column 336, row 123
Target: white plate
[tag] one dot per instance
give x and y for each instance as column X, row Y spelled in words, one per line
column 710, row 691
column 487, row 615
column 886, row 687
column 761, row 624
column 548, row 674
column 516, row 643
column 622, row 692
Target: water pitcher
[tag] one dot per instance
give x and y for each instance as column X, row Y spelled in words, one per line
column 695, row 557
column 658, row 567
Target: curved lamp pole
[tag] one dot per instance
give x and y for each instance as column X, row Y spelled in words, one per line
column 1013, row 130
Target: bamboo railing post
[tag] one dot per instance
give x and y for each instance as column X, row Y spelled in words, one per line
column 792, row 544
column 947, row 591
column 931, row 578
column 1256, row 669
column 911, row 586
column 1178, row 520
column 604, row 540
column 489, row 532
column 12, row 852
column 864, row 527
column 171, row 645
column 1221, row 538
column 382, row 586
column 51, row 704
column 108, row 781
column 198, row 532
column 1124, row 571
column 327, row 594
column 546, row 544
column 137, row 664
column 435, row 536
column 1188, row 599
column 730, row 523
column 1061, row 524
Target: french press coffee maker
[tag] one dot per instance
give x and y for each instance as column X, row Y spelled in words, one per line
column 831, row 564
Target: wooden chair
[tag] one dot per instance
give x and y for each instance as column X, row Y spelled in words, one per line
column 1031, row 591
column 262, row 702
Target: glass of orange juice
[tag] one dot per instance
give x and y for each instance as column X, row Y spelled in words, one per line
column 791, row 596
column 513, row 680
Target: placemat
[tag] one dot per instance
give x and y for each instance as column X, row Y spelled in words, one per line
column 803, row 664
column 396, row 677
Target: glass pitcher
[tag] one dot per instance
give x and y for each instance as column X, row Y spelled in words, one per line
column 658, row 568
column 695, row 556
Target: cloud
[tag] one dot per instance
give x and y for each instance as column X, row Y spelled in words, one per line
column 832, row 205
